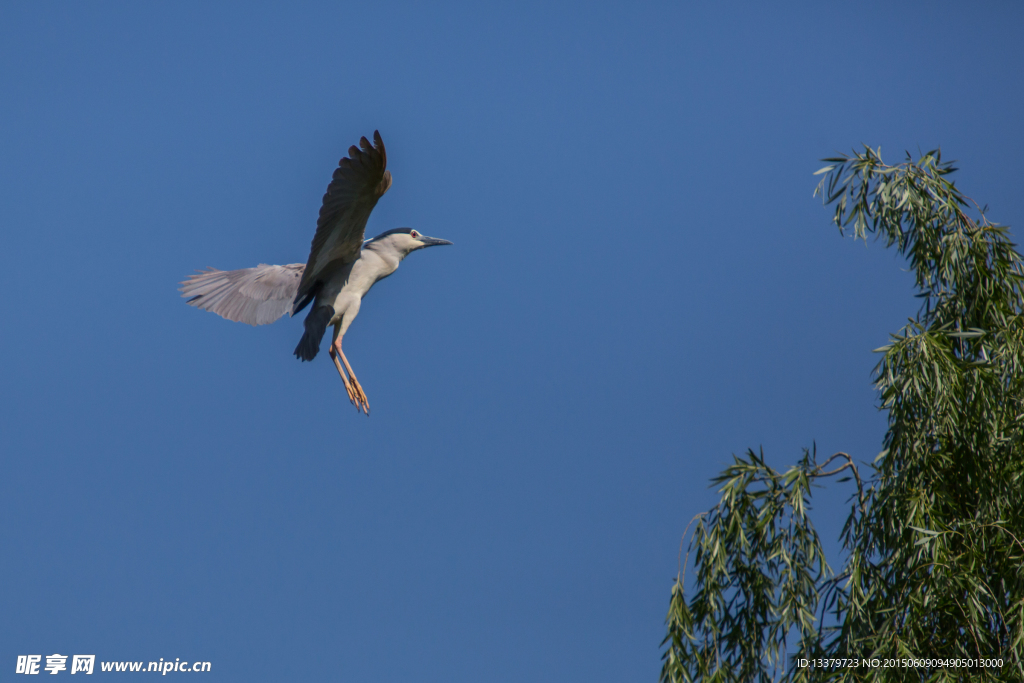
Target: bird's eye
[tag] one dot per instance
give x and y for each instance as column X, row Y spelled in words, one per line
column 414, row 234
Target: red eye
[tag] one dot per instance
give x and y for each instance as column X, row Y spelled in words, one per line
column 414, row 234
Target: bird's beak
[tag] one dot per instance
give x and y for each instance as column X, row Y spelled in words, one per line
column 432, row 241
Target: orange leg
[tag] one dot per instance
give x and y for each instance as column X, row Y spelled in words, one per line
column 354, row 389
column 344, row 378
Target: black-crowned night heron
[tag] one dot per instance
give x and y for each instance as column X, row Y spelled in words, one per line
column 342, row 266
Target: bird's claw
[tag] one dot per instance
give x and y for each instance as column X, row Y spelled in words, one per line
column 355, row 392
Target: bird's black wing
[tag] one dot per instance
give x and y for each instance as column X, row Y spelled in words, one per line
column 359, row 181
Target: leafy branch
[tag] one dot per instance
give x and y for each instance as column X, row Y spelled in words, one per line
column 759, row 560
column 933, row 565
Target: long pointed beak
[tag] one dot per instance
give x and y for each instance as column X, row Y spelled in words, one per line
column 432, row 241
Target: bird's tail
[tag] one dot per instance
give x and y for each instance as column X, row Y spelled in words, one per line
column 316, row 324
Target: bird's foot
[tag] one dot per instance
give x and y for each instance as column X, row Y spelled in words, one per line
column 344, row 378
column 352, row 387
column 362, row 403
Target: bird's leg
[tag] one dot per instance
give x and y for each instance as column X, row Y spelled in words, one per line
column 344, row 378
column 362, row 403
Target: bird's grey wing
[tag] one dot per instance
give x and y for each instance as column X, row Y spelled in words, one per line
column 257, row 296
column 359, row 181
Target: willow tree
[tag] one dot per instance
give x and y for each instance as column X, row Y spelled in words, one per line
column 930, row 583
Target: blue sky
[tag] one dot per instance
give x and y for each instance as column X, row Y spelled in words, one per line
column 641, row 285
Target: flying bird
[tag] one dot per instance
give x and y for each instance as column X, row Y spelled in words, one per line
column 341, row 269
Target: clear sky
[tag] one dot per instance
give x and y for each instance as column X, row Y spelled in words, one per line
column 641, row 285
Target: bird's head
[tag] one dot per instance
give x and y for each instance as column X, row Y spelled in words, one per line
column 404, row 241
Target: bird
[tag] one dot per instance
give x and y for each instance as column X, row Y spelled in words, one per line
column 341, row 268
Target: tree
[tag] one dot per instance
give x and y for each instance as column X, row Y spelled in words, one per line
column 933, row 559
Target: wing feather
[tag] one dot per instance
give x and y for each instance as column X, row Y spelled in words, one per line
column 257, row 296
column 359, row 181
